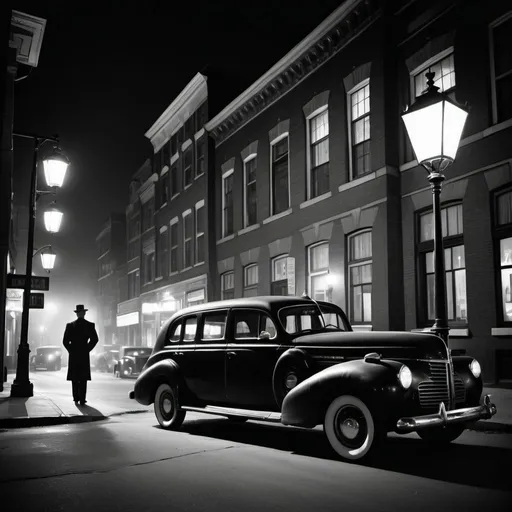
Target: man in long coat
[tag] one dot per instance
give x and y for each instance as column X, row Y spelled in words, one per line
column 80, row 338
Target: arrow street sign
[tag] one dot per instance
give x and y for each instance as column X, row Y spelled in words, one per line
column 37, row 283
column 36, row 301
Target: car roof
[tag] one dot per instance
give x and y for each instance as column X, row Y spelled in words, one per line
column 264, row 301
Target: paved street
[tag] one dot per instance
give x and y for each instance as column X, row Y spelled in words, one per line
column 129, row 463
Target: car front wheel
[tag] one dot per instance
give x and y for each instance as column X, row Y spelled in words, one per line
column 350, row 428
column 441, row 435
column 167, row 409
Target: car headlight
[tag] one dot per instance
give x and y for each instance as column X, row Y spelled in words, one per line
column 405, row 377
column 475, row 368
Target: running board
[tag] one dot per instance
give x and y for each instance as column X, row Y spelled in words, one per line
column 243, row 413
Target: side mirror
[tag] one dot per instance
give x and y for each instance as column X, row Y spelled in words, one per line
column 264, row 335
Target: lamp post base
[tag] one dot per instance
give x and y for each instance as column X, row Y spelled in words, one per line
column 22, row 389
column 442, row 332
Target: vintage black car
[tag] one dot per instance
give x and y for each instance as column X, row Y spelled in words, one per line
column 104, row 361
column 48, row 357
column 131, row 361
column 278, row 359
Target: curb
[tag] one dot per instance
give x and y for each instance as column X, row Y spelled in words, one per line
column 47, row 421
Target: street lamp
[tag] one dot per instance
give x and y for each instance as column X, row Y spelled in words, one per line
column 434, row 125
column 52, row 220
column 55, row 166
column 47, row 257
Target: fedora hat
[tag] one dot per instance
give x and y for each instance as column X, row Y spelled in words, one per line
column 80, row 307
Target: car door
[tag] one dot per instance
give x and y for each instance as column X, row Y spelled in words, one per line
column 207, row 370
column 251, row 355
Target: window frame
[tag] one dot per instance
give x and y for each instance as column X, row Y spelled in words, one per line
column 352, row 263
column 493, row 78
column 274, row 282
column 262, row 314
column 309, row 167
column 312, row 274
column 188, row 168
column 199, row 207
column 222, row 284
column 174, row 221
column 201, row 141
column 190, row 240
column 200, row 330
column 225, row 176
column 251, row 158
column 500, row 232
column 350, row 123
column 426, row 246
column 273, row 143
column 250, row 287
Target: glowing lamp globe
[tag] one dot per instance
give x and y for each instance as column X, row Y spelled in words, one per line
column 55, row 167
column 52, row 220
column 48, row 259
column 434, row 125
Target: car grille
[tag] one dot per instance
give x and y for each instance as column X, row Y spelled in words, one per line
column 460, row 390
column 435, row 390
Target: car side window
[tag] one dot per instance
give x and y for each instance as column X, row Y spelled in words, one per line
column 174, row 333
column 269, row 326
column 214, row 326
column 246, row 324
column 190, row 328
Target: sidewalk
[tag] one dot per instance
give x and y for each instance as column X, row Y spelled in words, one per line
column 42, row 410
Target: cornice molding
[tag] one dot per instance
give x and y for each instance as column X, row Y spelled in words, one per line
column 178, row 111
column 333, row 34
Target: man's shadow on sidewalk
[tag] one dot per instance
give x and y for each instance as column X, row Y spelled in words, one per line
column 87, row 410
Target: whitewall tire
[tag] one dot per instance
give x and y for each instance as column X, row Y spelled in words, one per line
column 350, row 427
column 166, row 407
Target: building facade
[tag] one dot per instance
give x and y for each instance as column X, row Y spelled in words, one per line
column 177, row 250
column 111, row 244
column 317, row 189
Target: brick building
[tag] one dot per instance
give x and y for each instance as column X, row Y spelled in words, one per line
column 317, row 189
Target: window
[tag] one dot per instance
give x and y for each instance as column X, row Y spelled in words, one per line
column 250, row 197
column 279, row 284
column 249, row 325
column 201, row 116
column 227, row 204
column 164, row 189
column 148, row 209
column 280, row 187
column 174, row 245
column 359, row 108
column 174, row 144
column 501, row 68
column 360, row 277
column 174, row 179
column 190, row 329
column 200, row 232
column 503, row 233
column 187, row 167
column 163, row 253
column 188, row 235
column 188, row 129
column 174, row 334
column 444, row 78
column 251, row 280
column 149, row 267
column 319, row 154
column 214, row 325
column 133, row 284
column 166, row 154
column 454, row 261
column 196, row 297
column 200, row 156
column 318, row 268
column 227, row 285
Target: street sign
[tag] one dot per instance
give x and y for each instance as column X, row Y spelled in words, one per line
column 38, row 282
column 36, row 301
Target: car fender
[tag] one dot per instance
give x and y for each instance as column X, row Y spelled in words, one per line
column 296, row 360
column 162, row 372
column 473, row 385
column 376, row 383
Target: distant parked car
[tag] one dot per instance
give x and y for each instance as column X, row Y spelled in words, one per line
column 298, row 362
column 104, row 361
column 131, row 362
column 48, row 357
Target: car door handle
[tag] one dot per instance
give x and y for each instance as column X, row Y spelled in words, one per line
column 231, row 355
column 178, row 353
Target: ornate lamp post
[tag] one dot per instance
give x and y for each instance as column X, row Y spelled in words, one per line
column 434, row 125
column 55, row 166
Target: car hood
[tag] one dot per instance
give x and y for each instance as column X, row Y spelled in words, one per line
column 388, row 344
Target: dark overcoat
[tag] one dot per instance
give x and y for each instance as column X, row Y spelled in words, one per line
column 80, row 338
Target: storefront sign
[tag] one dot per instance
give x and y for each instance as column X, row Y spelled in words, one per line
column 128, row 319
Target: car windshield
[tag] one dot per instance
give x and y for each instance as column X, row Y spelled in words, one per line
column 46, row 351
column 301, row 319
column 137, row 352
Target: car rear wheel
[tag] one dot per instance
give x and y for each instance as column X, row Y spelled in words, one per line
column 167, row 409
column 441, row 435
column 351, row 428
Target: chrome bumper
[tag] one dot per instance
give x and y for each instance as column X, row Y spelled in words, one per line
column 444, row 417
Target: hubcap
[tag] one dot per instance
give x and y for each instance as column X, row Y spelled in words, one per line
column 291, row 381
column 167, row 405
column 350, row 428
